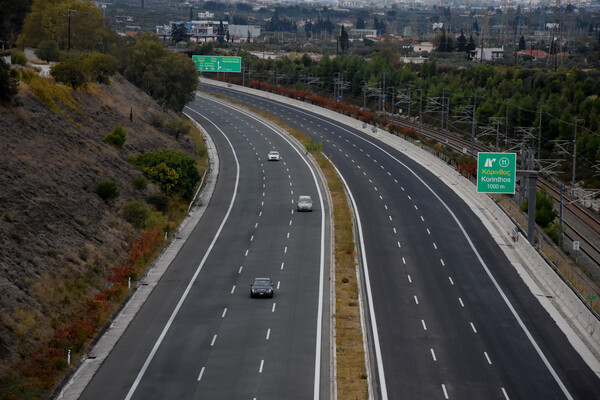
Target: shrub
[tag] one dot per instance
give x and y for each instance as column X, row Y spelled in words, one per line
column 18, row 57
column 173, row 171
column 107, row 190
column 314, row 146
column 544, row 209
column 157, row 220
column 136, row 213
column 139, row 182
column 48, row 51
column 116, row 137
column 160, row 201
column 101, row 67
column 177, row 128
column 8, row 84
column 70, row 71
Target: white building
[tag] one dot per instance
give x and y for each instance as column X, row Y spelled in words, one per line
column 489, row 53
column 423, row 46
column 205, row 15
column 241, row 32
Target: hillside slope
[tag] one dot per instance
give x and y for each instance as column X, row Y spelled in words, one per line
column 58, row 238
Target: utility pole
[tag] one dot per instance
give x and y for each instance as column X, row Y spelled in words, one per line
column 421, row 111
column 560, row 215
column 506, row 126
column 497, row 133
column 574, row 156
column 408, row 103
column 539, row 143
column 473, row 124
column 69, row 28
column 383, row 93
column 447, row 119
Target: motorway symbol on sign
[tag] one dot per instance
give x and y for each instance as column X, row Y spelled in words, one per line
column 496, row 172
column 218, row 63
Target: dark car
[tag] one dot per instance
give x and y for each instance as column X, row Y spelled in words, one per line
column 262, row 287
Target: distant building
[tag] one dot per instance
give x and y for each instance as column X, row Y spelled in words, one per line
column 413, row 60
column 361, row 33
column 489, row 53
column 205, row 15
column 242, row 32
column 424, row 46
column 196, row 29
column 536, row 54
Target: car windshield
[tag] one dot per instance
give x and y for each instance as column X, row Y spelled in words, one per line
column 273, row 153
column 261, row 282
column 304, row 200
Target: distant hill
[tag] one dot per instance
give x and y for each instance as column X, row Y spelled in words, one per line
column 58, row 238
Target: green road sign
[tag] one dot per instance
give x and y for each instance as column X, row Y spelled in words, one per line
column 591, row 297
column 496, row 172
column 218, row 63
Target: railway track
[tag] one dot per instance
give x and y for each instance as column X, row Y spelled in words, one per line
column 589, row 236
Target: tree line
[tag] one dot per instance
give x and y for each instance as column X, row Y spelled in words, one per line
column 557, row 101
column 72, row 34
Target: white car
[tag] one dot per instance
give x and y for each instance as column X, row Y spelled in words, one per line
column 273, row 156
column 304, row 203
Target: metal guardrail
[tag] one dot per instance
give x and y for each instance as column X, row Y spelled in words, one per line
column 198, row 190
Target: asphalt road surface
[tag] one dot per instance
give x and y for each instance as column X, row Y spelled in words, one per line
column 452, row 317
column 200, row 335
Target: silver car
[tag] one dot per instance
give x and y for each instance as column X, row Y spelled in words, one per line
column 304, row 203
column 273, row 156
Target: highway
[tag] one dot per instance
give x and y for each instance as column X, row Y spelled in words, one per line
column 199, row 334
column 452, row 318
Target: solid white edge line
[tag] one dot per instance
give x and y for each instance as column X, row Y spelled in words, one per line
column 194, row 277
column 363, row 252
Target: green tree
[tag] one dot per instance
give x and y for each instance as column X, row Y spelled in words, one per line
column 142, row 59
column 101, row 67
column 177, row 128
column 461, row 42
column 522, row 44
column 179, row 33
column 344, row 40
column 470, row 45
column 49, row 19
column 175, row 81
column 48, row 51
column 70, row 71
column 12, row 14
column 360, row 23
